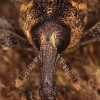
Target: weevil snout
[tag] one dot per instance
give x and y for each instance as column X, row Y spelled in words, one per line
column 48, row 88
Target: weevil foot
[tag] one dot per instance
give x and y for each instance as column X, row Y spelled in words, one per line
column 77, row 85
column 18, row 82
column 2, row 85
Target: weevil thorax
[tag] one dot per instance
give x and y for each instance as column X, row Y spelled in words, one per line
column 68, row 12
column 52, row 26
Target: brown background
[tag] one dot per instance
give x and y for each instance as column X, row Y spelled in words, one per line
column 84, row 63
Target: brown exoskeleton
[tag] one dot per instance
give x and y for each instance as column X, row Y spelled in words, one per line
column 51, row 27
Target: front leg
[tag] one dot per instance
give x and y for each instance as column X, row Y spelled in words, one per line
column 10, row 37
column 11, row 40
column 92, row 35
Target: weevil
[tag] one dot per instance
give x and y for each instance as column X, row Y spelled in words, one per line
column 50, row 27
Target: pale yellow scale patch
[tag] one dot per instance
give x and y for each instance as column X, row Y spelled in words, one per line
column 53, row 39
column 42, row 38
column 29, row 38
column 85, row 20
column 49, row 10
column 27, row 33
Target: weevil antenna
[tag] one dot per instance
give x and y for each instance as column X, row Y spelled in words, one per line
column 21, row 77
column 76, row 84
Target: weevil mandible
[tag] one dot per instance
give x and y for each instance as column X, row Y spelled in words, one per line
column 51, row 27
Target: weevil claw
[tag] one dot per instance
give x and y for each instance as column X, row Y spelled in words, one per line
column 18, row 82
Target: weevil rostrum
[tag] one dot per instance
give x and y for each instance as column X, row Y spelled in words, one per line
column 51, row 27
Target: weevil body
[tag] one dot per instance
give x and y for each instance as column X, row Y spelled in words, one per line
column 51, row 26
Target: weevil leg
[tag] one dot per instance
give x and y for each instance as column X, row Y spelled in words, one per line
column 11, row 37
column 19, row 80
column 91, row 36
column 76, row 84
column 10, row 40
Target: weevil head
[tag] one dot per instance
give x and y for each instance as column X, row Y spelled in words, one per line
column 55, row 32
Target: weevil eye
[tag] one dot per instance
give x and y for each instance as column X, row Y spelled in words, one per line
column 63, row 39
column 61, row 45
column 52, row 31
